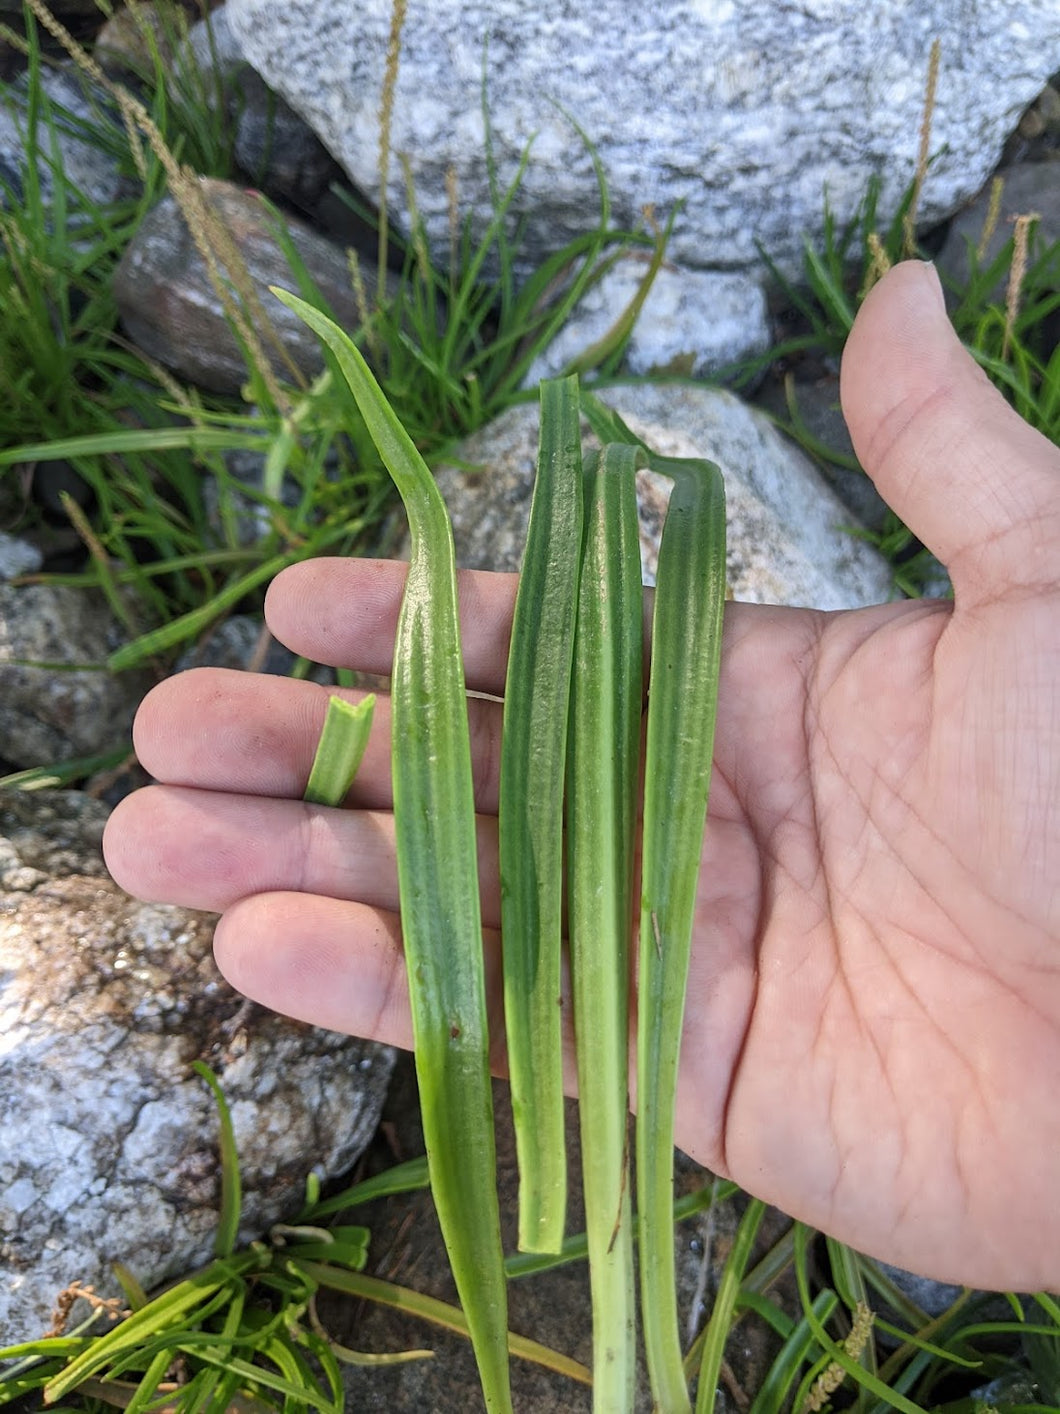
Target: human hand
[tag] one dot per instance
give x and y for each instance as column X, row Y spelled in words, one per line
column 872, row 1040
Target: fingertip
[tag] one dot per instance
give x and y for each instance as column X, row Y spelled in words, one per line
column 901, row 333
column 117, row 833
column 327, row 962
column 934, row 434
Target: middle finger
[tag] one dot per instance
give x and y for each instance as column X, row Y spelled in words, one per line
column 253, row 734
column 206, row 849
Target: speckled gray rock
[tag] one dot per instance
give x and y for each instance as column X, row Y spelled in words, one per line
column 108, row 1146
column 77, row 106
column 49, row 713
column 746, row 114
column 693, row 322
column 169, row 306
column 786, row 539
column 17, row 556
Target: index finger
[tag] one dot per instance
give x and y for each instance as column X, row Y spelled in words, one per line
column 344, row 613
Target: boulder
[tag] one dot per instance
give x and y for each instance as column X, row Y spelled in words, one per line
column 17, row 557
column 1029, row 188
column 170, row 308
column 86, row 124
column 787, row 536
column 108, row 1150
column 744, row 116
column 693, row 322
column 277, row 150
column 57, row 700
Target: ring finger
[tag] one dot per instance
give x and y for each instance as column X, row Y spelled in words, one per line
column 207, row 849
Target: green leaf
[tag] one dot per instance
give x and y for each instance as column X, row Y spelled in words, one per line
column 231, row 1184
column 533, row 757
column 725, row 1306
column 434, row 819
column 682, row 708
column 602, row 780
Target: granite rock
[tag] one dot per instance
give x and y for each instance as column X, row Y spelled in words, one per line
column 693, row 322
column 49, row 712
column 108, row 1149
column 786, row 538
column 276, row 148
column 745, row 116
column 17, row 557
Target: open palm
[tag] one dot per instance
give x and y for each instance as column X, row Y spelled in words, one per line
column 873, row 1031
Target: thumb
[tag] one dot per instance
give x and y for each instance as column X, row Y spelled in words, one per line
column 968, row 476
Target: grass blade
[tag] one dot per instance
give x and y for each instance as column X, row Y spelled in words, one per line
column 682, row 707
column 434, row 814
column 533, row 755
column 725, row 1306
column 231, row 1181
column 601, row 813
column 439, row 1313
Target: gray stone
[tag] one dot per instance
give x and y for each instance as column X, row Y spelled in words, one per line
column 47, row 712
column 273, row 145
column 77, row 107
column 108, row 1150
column 693, row 322
column 744, row 115
column 232, row 643
column 17, row 557
column 238, row 507
column 1030, row 188
column 1037, row 138
column 786, row 545
column 170, row 308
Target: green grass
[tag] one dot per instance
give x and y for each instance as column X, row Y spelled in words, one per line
column 451, row 350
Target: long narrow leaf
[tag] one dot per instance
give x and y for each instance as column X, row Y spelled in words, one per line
column 682, row 706
column 725, row 1306
column 434, row 816
column 439, row 1313
column 231, row 1182
column 601, row 812
column 533, row 756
